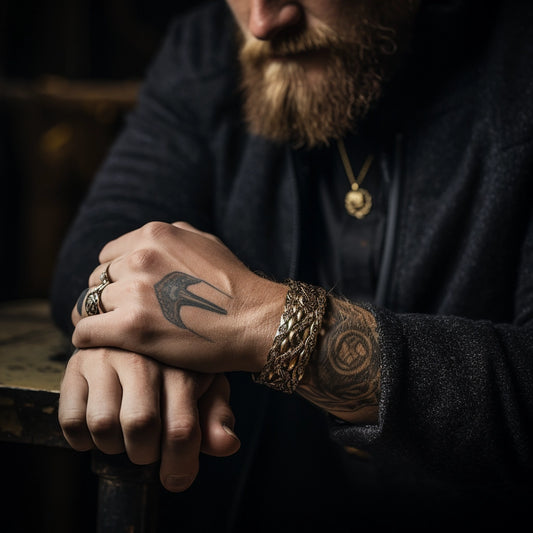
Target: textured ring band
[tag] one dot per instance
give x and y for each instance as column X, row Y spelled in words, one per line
column 104, row 276
column 93, row 305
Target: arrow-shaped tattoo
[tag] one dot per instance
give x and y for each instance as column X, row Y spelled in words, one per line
column 172, row 293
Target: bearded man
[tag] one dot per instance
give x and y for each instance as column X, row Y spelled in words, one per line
column 353, row 184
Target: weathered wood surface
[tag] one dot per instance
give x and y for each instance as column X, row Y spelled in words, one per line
column 33, row 354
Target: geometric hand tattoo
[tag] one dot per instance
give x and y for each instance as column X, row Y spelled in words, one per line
column 173, row 294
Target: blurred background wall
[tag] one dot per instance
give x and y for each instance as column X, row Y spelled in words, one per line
column 69, row 71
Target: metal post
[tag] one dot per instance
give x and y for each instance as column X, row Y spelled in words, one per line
column 127, row 494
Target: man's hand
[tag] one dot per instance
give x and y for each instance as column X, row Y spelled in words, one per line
column 120, row 401
column 182, row 297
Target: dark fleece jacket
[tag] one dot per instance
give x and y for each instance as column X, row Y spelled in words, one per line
column 454, row 132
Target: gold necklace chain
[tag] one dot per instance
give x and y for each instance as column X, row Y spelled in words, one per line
column 358, row 201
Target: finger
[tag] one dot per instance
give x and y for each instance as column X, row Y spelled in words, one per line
column 72, row 409
column 137, row 330
column 217, row 421
column 120, row 327
column 181, row 436
column 140, row 410
column 103, row 409
column 100, row 273
column 82, row 308
column 78, row 310
column 98, row 330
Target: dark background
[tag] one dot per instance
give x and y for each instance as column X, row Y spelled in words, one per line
column 69, row 72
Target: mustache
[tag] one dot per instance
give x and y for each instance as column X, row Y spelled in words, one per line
column 317, row 39
column 373, row 38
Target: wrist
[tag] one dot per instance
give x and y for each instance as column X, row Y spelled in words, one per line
column 296, row 337
column 265, row 302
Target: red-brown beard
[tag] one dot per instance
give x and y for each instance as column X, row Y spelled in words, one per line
column 283, row 102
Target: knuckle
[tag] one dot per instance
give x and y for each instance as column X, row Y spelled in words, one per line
column 102, row 253
column 155, row 230
column 94, row 278
column 72, row 423
column 102, row 425
column 183, row 430
column 140, row 423
column 215, row 238
column 142, row 259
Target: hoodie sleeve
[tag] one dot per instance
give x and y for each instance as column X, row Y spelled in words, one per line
column 457, row 394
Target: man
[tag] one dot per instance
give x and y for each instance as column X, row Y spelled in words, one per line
column 379, row 156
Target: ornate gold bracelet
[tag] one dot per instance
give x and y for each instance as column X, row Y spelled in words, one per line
column 296, row 337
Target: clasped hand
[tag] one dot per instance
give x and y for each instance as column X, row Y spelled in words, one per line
column 182, row 297
column 120, row 401
column 180, row 309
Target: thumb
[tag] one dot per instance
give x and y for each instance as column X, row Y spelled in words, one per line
column 217, row 420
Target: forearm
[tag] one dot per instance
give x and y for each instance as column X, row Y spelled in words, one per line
column 343, row 374
column 441, row 383
column 453, row 398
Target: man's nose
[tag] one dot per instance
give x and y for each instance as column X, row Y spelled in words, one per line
column 269, row 17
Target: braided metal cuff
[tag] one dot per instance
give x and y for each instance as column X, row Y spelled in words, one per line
column 296, row 337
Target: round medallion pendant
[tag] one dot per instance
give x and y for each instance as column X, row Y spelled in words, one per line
column 358, row 203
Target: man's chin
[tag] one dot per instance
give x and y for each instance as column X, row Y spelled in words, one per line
column 320, row 84
column 303, row 105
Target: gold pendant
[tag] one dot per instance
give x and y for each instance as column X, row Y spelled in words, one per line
column 358, row 202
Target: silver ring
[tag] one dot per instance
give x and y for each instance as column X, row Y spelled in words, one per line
column 104, row 276
column 93, row 304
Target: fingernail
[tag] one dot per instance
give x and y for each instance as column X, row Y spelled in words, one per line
column 229, row 431
column 178, row 483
